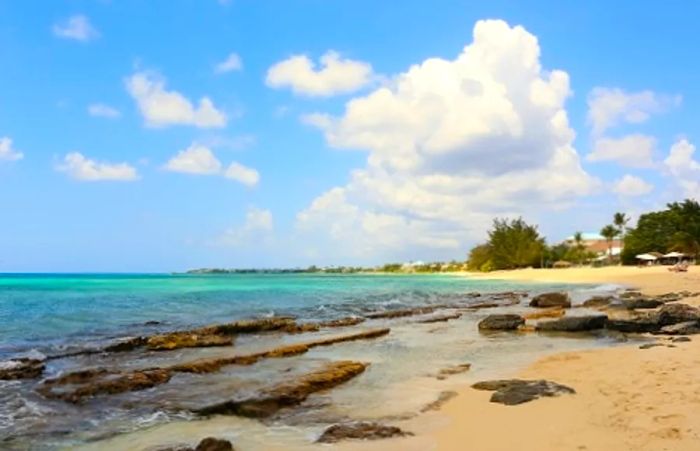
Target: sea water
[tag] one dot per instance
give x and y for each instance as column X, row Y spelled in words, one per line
column 54, row 314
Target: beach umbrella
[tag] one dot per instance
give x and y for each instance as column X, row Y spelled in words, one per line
column 674, row 255
column 647, row 257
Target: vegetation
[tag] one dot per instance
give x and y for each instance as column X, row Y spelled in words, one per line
column 610, row 232
column 677, row 228
column 512, row 244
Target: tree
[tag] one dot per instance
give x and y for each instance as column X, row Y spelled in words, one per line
column 480, row 258
column 579, row 246
column 620, row 220
column 515, row 244
column 609, row 232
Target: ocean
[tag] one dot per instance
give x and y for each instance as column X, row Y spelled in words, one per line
column 50, row 314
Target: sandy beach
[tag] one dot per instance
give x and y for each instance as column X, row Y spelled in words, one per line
column 626, row 398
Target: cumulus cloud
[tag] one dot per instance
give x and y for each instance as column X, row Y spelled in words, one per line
column 630, row 185
column 81, row 168
column 161, row 108
column 684, row 168
column 7, row 151
column 609, row 107
column 196, row 159
column 200, row 160
column 450, row 144
column 76, row 27
column 635, row 151
column 335, row 75
column 257, row 229
column 102, row 110
column 230, row 64
column 243, row 174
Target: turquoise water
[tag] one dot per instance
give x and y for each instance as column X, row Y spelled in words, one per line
column 55, row 314
column 48, row 312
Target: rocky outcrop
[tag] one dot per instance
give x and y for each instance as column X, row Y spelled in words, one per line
column 289, row 394
column 636, row 324
column 504, row 321
column 207, row 444
column 22, row 368
column 178, row 340
column 573, row 324
column 126, row 344
column 391, row 314
column 556, row 299
column 77, row 386
column 556, row 312
column 342, row 322
column 444, row 373
column 680, row 339
column 440, row 318
column 677, row 313
column 641, row 303
column 361, row 430
column 515, row 391
column 598, row 301
column 685, row 328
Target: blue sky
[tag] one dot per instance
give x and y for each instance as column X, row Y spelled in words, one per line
column 165, row 135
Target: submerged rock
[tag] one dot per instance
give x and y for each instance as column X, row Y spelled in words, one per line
column 574, row 324
column 452, row 370
column 680, row 339
column 22, row 368
column 360, row 431
column 126, row 344
column 342, row 322
column 440, row 318
column 400, row 313
column 598, row 301
column 556, row 299
column 442, row 398
column 515, row 391
column 506, row 321
column 178, row 340
column 289, row 394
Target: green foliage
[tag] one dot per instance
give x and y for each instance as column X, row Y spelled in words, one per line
column 391, row 267
column 512, row 244
column 480, row 258
column 675, row 229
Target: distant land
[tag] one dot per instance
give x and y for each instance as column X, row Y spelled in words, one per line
column 408, row 268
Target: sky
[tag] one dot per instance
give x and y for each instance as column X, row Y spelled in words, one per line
column 166, row 135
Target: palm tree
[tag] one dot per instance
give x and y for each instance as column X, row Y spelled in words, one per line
column 609, row 232
column 620, row 221
column 579, row 246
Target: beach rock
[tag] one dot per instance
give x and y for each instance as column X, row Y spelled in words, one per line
column 361, row 430
column 650, row 345
column 440, row 318
column 628, row 294
column 214, row 444
column 89, row 383
column 555, row 312
column 677, row 313
column 442, row 398
column 680, row 339
column 483, row 305
column 177, row 340
column 127, row 344
column 501, row 322
column 670, row 297
column 22, row 368
column 556, row 299
column 641, row 303
column 288, row 394
column 637, row 324
column 598, row 301
column 573, row 324
column 515, row 391
column 685, row 328
column 250, row 326
column 342, row 322
column 400, row 313
column 452, row 370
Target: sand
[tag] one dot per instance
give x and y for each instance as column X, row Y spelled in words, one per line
column 627, row 398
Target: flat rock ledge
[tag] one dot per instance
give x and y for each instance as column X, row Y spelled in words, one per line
column 573, row 324
column 512, row 392
column 22, row 368
column 506, row 321
column 289, row 394
column 361, row 430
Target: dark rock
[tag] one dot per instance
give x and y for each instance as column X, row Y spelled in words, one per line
column 551, row 300
column 452, row 370
column 214, row 444
column 629, row 294
column 641, row 303
column 501, row 322
column 342, row 322
column 638, row 324
column 680, row 339
column 440, row 401
column 574, row 324
column 650, row 345
column 152, row 323
column 178, row 340
column 483, row 305
column 127, row 344
column 22, row 368
column 686, row 328
column 360, row 431
column 598, row 301
column 677, row 313
column 289, row 394
column 515, row 391
column 400, row 313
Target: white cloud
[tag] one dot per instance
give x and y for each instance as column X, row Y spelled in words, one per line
column 243, row 174
column 196, row 159
column 257, row 229
column 684, row 168
column 231, row 63
column 7, row 151
column 635, row 151
column 451, row 144
column 199, row 159
column 76, row 27
column 161, row 108
column 630, row 186
column 608, row 107
column 80, row 168
column 335, row 76
column 102, row 110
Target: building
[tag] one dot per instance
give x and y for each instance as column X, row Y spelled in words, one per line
column 596, row 243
